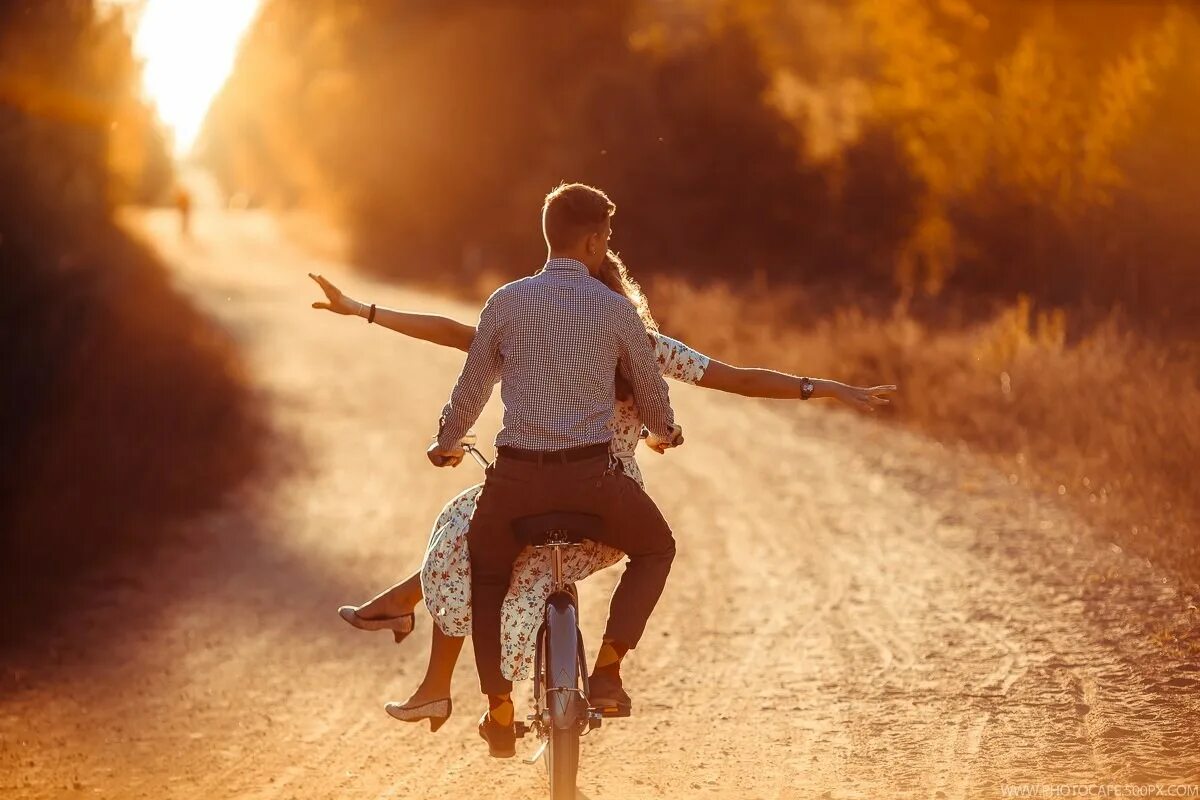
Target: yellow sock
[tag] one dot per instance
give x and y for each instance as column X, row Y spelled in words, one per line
column 607, row 655
column 608, row 660
column 501, row 710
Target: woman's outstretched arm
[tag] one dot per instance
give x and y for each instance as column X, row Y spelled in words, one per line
column 429, row 327
column 755, row 382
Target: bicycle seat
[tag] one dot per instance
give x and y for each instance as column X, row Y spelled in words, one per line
column 557, row 528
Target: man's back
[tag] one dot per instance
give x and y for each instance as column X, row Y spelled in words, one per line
column 555, row 340
column 560, row 352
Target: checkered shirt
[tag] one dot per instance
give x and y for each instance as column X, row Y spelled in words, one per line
column 554, row 340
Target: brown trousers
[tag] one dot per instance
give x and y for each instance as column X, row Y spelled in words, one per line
column 632, row 524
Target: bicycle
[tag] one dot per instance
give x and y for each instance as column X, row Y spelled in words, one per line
column 562, row 713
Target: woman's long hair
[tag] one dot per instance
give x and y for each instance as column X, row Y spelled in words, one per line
column 615, row 275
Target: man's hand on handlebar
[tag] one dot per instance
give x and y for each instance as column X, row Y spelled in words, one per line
column 661, row 446
column 444, row 458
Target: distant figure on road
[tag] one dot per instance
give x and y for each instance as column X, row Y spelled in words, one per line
column 183, row 201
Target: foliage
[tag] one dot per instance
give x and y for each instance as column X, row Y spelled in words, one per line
column 119, row 409
column 433, row 132
column 1108, row 423
column 973, row 146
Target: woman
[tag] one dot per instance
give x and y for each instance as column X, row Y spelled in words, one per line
column 444, row 580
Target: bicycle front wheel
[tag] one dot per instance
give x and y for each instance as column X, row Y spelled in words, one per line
column 562, row 763
column 561, row 682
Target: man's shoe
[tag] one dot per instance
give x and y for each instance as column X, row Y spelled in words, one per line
column 501, row 739
column 608, row 695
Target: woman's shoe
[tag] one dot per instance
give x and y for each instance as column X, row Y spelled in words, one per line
column 400, row 626
column 436, row 711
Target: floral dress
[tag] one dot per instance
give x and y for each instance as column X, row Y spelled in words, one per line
column 446, row 572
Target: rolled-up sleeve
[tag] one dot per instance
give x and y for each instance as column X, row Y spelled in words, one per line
column 639, row 365
column 478, row 377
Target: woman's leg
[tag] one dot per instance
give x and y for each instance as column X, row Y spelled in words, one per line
column 446, row 554
column 451, row 525
column 443, row 656
column 395, row 601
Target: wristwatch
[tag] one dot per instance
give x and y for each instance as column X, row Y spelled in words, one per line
column 806, row 388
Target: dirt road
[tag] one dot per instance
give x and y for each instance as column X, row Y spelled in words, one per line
column 854, row 611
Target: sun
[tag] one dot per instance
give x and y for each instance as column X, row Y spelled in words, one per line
column 187, row 49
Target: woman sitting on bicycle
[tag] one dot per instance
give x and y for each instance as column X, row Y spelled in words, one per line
column 444, row 580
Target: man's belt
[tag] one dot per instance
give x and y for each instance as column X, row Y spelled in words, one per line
column 560, row 456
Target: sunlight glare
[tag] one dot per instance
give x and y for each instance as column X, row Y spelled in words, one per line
column 188, row 49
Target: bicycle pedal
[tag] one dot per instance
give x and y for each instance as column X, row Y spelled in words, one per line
column 521, row 729
column 612, row 712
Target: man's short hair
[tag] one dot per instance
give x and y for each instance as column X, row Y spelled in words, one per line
column 572, row 210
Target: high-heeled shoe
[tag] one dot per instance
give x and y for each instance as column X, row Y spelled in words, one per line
column 400, row 626
column 436, row 711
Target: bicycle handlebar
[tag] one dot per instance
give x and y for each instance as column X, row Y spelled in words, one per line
column 479, row 457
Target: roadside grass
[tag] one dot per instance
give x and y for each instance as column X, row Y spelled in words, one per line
column 1103, row 419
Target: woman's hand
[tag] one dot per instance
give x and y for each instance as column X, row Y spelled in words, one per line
column 863, row 398
column 338, row 302
column 661, row 446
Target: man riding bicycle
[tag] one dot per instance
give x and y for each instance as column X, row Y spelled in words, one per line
column 556, row 342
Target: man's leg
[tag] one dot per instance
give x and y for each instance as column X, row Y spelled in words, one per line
column 638, row 528
column 635, row 525
column 632, row 524
column 493, row 550
column 509, row 492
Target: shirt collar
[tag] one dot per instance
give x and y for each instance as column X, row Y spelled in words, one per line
column 568, row 264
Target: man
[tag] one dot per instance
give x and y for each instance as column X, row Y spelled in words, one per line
column 555, row 341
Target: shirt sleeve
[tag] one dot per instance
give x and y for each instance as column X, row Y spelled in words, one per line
column 638, row 363
column 677, row 361
column 478, row 377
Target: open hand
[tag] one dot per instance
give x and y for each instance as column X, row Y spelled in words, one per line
column 865, row 398
column 338, row 302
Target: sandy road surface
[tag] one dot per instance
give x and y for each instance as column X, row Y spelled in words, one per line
column 854, row 611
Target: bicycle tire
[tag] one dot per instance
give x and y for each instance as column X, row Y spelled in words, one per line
column 562, row 763
column 561, row 755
